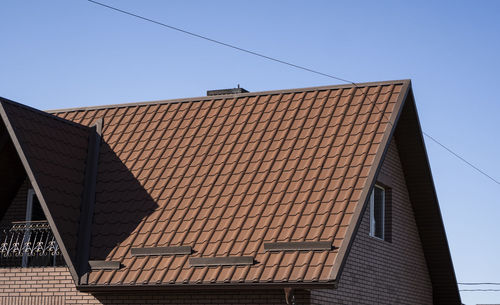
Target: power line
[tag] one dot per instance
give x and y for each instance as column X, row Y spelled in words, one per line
column 223, row 43
column 478, row 284
column 288, row 64
column 461, row 158
column 479, row 289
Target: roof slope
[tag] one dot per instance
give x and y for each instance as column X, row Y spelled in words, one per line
column 225, row 175
column 53, row 152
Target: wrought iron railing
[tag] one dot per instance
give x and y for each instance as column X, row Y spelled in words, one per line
column 29, row 244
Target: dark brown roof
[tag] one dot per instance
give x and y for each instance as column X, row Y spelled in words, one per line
column 225, row 175
column 53, row 152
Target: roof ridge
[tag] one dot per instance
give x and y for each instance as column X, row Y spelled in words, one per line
column 216, row 97
column 41, row 112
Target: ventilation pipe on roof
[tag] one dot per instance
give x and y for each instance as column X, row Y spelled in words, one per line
column 226, row 91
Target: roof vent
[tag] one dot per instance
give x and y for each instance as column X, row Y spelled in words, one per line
column 226, row 91
column 104, row 265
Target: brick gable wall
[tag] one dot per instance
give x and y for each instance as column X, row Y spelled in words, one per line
column 382, row 272
column 17, row 209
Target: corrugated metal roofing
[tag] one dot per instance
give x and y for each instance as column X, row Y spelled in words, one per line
column 226, row 174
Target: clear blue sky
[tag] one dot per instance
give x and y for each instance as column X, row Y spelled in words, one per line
column 56, row 54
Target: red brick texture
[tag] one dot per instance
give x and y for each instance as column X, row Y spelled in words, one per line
column 54, row 286
column 23, row 286
column 382, row 272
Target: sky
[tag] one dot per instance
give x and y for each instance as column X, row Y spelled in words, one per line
column 59, row 54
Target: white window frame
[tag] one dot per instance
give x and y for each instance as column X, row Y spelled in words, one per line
column 372, row 212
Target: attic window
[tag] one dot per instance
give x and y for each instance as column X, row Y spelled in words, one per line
column 377, row 212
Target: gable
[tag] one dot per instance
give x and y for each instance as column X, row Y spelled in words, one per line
column 425, row 204
column 391, row 271
column 11, row 168
column 53, row 154
column 16, row 211
column 415, row 164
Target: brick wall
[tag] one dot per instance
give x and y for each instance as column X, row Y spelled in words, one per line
column 17, row 209
column 23, row 286
column 54, row 286
column 381, row 272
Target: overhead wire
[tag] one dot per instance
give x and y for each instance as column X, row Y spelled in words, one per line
column 480, row 289
column 477, row 283
column 291, row 65
column 491, row 290
column 222, row 43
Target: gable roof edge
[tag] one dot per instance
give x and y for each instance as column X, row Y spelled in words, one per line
column 360, row 208
column 36, row 188
column 427, row 211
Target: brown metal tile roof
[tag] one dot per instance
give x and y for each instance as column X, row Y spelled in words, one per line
column 226, row 174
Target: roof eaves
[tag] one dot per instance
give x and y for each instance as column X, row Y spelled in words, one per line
column 206, row 286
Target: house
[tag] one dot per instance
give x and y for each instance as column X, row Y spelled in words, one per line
column 304, row 196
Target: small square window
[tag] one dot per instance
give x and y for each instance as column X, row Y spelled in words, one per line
column 377, row 212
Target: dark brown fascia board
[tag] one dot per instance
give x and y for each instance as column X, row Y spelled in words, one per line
column 230, row 96
column 34, row 184
column 104, row 265
column 451, row 284
column 221, row 261
column 357, row 217
column 213, row 287
column 181, row 250
column 299, row 246
column 88, row 201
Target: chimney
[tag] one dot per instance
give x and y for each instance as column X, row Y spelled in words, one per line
column 226, row 91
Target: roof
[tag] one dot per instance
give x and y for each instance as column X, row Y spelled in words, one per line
column 225, row 175
column 225, row 184
column 54, row 153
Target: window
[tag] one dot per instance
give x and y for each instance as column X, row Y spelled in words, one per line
column 377, row 212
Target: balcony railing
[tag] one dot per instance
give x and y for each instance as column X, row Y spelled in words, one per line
column 29, row 244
